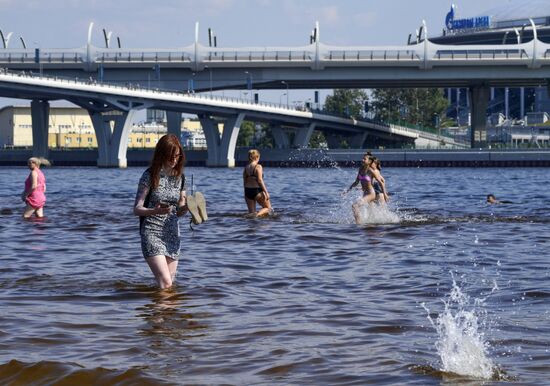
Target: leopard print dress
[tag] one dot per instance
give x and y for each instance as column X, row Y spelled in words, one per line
column 160, row 234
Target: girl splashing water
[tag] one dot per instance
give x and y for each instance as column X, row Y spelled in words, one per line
column 365, row 176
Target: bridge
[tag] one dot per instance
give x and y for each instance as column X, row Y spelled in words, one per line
column 112, row 107
column 200, row 68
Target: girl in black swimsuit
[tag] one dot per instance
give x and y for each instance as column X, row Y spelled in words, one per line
column 254, row 186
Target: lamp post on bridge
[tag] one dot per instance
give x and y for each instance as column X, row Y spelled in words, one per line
column 285, row 83
column 191, row 84
column 37, row 57
column 281, row 97
column 249, row 84
column 210, row 70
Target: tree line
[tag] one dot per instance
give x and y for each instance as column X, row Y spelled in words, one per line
column 423, row 108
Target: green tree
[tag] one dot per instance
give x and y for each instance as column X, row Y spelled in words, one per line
column 346, row 102
column 318, row 140
column 413, row 105
column 246, row 134
column 252, row 134
column 264, row 137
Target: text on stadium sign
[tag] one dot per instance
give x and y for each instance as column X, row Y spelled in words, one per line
column 474, row 22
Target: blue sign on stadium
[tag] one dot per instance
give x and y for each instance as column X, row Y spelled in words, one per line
column 474, row 22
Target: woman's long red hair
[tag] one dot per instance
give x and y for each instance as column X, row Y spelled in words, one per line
column 167, row 146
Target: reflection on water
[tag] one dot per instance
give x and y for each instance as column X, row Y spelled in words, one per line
column 167, row 316
column 303, row 297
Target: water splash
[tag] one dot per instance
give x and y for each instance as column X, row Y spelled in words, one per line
column 340, row 212
column 461, row 345
column 378, row 214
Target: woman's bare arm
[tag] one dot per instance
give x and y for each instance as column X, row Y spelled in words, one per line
column 140, row 210
column 182, row 204
column 34, row 177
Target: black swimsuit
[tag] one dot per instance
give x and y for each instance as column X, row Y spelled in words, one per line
column 251, row 193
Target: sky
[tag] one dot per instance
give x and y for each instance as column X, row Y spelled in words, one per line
column 236, row 23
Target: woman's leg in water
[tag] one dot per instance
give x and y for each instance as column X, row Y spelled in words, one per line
column 159, row 266
column 172, row 267
column 356, row 207
column 29, row 210
column 251, row 205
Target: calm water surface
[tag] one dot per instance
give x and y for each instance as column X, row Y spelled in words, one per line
column 442, row 289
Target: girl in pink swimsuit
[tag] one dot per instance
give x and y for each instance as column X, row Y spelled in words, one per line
column 364, row 177
column 35, row 188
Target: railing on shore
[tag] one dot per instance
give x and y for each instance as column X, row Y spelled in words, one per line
column 316, row 157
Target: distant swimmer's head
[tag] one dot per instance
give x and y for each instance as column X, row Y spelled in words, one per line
column 253, row 155
column 36, row 162
column 491, row 199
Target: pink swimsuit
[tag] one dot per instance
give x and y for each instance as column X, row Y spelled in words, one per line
column 37, row 198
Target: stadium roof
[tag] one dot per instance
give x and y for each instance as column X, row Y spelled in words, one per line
column 518, row 10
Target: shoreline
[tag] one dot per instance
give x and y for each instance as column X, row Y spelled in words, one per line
column 314, row 157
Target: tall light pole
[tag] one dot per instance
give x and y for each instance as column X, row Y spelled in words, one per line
column 210, row 70
column 191, row 84
column 281, row 97
column 285, row 83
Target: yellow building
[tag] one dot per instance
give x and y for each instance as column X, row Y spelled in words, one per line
column 71, row 127
column 68, row 127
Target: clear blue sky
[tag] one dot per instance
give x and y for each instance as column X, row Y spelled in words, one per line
column 170, row 23
column 237, row 23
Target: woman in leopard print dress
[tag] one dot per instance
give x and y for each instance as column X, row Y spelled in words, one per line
column 160, row 201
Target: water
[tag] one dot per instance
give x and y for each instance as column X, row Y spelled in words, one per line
column 441, row 289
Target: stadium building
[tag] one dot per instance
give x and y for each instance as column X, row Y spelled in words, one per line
column 509, row 23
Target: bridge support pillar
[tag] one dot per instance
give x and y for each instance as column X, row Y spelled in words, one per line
column 357, row 140
column 301, row 140
column 479, row 96
column 112, row 139
column 173, row 120
column 40, row 115
column 280, row 137
column 221, row 150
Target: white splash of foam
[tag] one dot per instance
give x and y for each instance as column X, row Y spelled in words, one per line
column 460, row 343
column 378, row 214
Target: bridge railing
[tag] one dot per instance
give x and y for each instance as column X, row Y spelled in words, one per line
column 259, row 56
column 50, row 56
column 458, row 54
column 305, row 54
column 144, row 57
column 371, row 55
